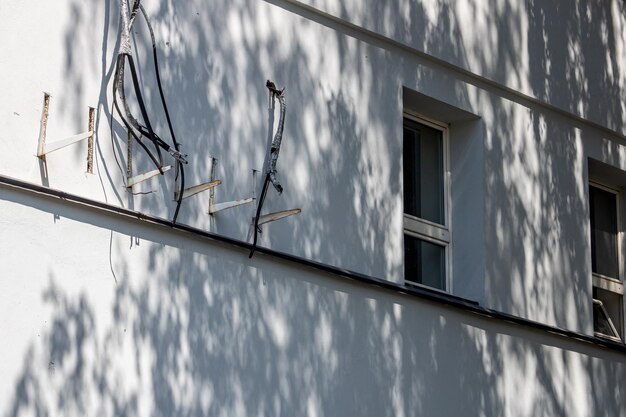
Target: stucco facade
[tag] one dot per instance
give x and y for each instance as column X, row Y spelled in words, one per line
column 104, row 313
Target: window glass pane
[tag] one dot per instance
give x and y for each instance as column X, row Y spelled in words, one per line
column 424, row 262
column 423, row 171
column 603, row 211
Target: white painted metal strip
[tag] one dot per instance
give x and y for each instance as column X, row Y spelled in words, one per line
column 188, row 192
column 214, row 208
column 266, row 218
column 56, row 145
column 142, row 177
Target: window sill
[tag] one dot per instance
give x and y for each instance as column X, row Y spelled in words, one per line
column 608, row 283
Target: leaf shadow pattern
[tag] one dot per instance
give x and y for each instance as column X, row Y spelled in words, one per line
column 197, row 329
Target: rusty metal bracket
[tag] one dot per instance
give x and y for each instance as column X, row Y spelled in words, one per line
column 188, row 192
column 44, row 148
column 90, row 140
column 216, row 207
column 196, row 189
column 271, row 217
column 130, row 181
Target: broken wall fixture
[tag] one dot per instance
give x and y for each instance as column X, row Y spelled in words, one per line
column 217, row 207
column 143, row 134
column 132, row 180
column 188, row 192
column 153, row 145
column 270, row 175
column 44, row 147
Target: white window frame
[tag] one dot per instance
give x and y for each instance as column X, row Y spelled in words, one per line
column 611, row 284
column 440, row 234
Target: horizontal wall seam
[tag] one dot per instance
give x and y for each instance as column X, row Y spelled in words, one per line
column 479, row 81
column 422, row 293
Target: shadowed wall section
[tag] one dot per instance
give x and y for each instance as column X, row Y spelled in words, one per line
column 108, row 317
column 178, row 326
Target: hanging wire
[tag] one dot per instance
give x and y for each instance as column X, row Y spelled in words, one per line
column 180, row 170
column 135, row 129
column 266, row 183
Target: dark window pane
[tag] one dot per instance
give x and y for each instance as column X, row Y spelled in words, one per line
column 424, row 262
column 603, row 213
column 423, row 171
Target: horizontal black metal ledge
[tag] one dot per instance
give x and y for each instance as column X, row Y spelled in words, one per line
column 419, row 292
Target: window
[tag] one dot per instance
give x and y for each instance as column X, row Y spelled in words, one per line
column 426, row 230
column 606, row 265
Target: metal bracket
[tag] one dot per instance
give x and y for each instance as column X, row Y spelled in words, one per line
column 44, row 148
column 145, row 176
column 189, row 191
column 271, row 217
column 134, row 180
column 215, row 207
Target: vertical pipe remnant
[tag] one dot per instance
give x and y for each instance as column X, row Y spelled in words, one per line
column 90, row 140
column 212, row 190
column 275, row 148
column 43, row 126
column 129, row 155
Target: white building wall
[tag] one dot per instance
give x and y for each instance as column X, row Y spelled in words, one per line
column 531, row 91
column 167, row 324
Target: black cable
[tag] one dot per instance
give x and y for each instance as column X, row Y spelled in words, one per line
column 120, row 66
column 156, row 139
column 133, row 12
column 273, row 157
column 147, row 130
column 117, row 161
column 180, row 170
column 258, row 213
column 142, row 107
column 158, row 77
column 134, row 135
column 179, row 201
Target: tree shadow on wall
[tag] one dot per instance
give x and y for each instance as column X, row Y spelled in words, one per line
column 201, row 330
column 212, row 335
